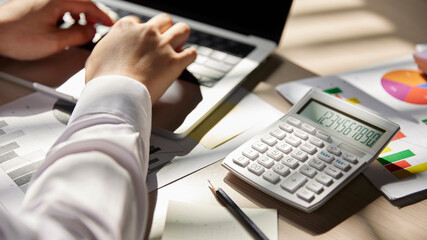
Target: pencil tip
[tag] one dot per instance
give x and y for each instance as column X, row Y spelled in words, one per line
column 211, row 185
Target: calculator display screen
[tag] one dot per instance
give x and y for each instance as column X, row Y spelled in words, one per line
column 342, row 123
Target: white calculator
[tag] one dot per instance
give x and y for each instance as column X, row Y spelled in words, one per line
column 313, row 151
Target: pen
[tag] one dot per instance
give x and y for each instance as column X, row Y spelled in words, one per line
column 38, row 87
column 238, row 213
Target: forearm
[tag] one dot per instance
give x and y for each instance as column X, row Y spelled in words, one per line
column 93, row 180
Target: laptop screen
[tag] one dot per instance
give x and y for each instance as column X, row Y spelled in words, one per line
column 264, row 19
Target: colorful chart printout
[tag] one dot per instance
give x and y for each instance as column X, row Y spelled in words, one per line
column 396, row 163
column 406, row 85
column 337, row 93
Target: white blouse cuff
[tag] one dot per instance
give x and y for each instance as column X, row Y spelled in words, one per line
column 118, row 95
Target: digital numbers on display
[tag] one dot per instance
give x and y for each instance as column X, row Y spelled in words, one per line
column 342, row 123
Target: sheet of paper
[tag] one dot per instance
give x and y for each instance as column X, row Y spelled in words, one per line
column 401, row 169
column 74, row 85
column 194, row 221
column 398, row 84
column 28, row 128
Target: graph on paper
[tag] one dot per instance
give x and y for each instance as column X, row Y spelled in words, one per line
column 27, row 130
column 399, row 163
column 409, row 86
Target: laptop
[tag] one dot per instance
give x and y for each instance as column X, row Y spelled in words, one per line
column 231, row 39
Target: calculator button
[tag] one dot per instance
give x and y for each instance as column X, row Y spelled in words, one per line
column 275, row 154
column 334, row 150
column 279, row 134
column 281, row 169
column 343, row 165
column 260, row 146
column 286, row 127
column 317, row 164
column 250, row 153
column 333, row 172
column 256, row 168
column 308, row 148
column 284, row 147
column 301, row 134
column 270, row 140
column 316, row 141
column 323, row 135
column 324, row 179
column 349, row 157
column 241, row 161
column 306, row 195
column 314, row 186
column 307, row 170
column 290, row 162
column 308, row 128
column 265, row 161
column 325, row 156
column 294, row 141
column 293, row 182
column 299, row 154
column 271, row 176
column 294, row 121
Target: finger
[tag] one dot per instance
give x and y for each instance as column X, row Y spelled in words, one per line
column 187, row 56
column 177, row 35
column 162, row 21
column 74, row 36
column 89, row 9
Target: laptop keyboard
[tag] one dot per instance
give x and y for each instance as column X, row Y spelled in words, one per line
column 216, row 55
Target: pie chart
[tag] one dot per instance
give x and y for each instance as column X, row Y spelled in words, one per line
column 409, row 86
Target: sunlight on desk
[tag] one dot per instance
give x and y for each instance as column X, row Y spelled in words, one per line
column 231, row 125
column 343, row 35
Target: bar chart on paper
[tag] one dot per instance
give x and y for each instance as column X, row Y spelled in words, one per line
column 337, row 92
column 18, row 168
column 28, row 128
column 400, row 163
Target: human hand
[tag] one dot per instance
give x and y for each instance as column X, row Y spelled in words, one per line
column 149, row 52
column 29, row 31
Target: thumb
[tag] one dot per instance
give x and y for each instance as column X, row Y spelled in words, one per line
column 75, row 35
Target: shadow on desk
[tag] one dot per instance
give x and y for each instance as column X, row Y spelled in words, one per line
column 409, row 200
column 350, row 200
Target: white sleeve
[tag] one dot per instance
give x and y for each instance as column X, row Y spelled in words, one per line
column 92, row 184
